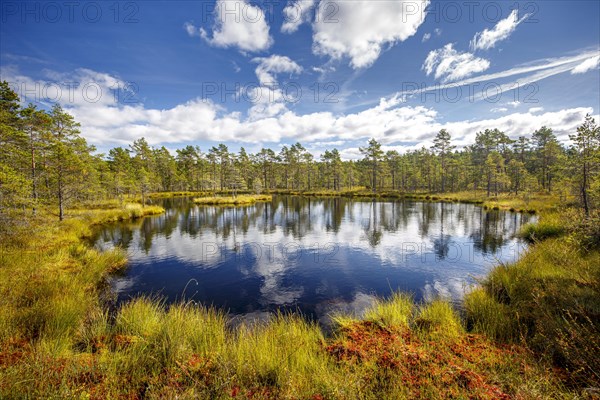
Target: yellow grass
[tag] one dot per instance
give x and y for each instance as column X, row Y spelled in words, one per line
column 230, row 200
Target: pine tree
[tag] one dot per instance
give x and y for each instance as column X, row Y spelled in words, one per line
column 586, row 144
column 373, row 155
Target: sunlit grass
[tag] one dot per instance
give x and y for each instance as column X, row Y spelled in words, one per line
column 490, row 317
column 549, row 295
column 395, row 311
column 58, row 341
column 439, row 320
column 549, row 226
column 230, row 200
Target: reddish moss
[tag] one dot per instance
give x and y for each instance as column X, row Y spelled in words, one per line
column 449, row 369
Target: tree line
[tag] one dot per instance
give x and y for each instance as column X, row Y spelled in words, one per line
column 45, row 160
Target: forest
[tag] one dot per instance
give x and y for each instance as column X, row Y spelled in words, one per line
column 45, row 160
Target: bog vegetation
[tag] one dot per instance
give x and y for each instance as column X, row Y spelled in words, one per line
column 530, row 330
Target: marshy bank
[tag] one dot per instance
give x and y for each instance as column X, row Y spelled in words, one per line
column 58, row 340
column 236, row 200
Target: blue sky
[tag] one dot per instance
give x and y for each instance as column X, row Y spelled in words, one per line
column 327, row 73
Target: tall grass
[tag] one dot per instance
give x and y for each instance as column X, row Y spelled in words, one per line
column 395, row 311
column 550, row 299
column 439, row 320
column 58, row 341
column 550, row 226
column 230, row 200
column 286, row 354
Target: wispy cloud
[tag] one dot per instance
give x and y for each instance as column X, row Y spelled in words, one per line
column 449, row 64
column 540, row 69
column 588, row 65
column 489, row 37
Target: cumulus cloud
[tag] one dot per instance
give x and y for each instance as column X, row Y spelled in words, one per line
column 347, row 28
column 397, row 125
column 237, row 24
column 587, row 65
column 426, row 37
column 295, row 14
column 268, row 99
column 449, row 64
column 499, row 110
column 274, row 64
column 79, row 87
column 504, row 28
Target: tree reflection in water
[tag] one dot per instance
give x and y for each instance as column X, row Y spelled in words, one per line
column 310, row 254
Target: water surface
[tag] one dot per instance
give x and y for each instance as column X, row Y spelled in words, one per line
column 310, row 255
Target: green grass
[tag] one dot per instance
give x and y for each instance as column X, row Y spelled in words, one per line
column 524, row 202
column 550, row 226
column 58, row 341
column 395, row 311
column 549, row 299
column 191, row 351
column 230, row 200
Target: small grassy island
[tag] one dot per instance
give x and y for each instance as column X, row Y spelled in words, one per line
column 233, row 200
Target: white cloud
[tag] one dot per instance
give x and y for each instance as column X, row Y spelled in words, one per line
column 450, row 65
column 514, row 104
column 108, row 122
column 324, row 69
column 489, row 37
column 237, row 24
column 268, row 99
column 274, row 64
column 437, row 31
column 537, row 70
column 499, row 110
column 359, row 29
column 295, row 14
column 426, row 37
column 587, row 65
column 534, row 110
column 191, row 29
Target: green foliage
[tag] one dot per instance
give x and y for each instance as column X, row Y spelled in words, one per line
column 13, row 188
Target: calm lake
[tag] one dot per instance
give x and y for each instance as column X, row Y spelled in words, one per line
column 314, row 256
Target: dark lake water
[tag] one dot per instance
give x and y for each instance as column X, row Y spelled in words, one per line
column 315, row 256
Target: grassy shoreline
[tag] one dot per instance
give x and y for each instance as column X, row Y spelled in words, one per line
column 240, row 200
column 56, row 340
column 528, row 203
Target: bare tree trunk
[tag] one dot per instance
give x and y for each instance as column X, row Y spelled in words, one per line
column 33, row 177
column 61, row 211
